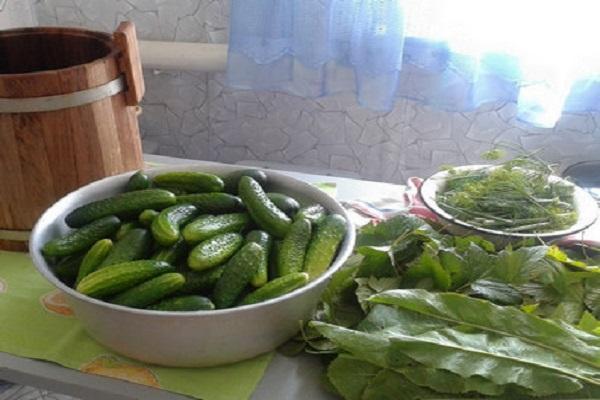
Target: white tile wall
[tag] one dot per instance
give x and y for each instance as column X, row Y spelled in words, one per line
column 196, row 116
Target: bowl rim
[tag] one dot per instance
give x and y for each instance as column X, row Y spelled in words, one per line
column 586, row 206
column 345, row 250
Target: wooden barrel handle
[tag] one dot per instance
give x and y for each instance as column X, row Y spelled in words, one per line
column 129, row 62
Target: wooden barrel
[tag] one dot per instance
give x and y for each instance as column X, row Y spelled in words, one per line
column 68, row 116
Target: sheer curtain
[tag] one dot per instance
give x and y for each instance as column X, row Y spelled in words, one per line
column 452, row 54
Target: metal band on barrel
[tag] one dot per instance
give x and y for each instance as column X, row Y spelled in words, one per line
column 62, row 101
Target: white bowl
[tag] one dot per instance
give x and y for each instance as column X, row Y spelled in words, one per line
column 585, row 205
column 186, row 339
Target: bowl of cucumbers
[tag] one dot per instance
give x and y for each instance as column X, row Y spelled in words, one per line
column 192, row 266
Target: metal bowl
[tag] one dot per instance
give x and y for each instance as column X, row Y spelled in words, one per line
column 189, row 339
column 586, row 206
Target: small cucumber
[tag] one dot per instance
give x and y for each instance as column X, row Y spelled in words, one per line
column 147, row 217
column 165, row 227
column 183, row 303
column 237, row 274
column 207, row 226
column 119, row 277
column 285, row 203
column 293, row 248
column 125, row 228
column 67, row 268
column 201, row 281
column 138, row 181
column 213, row 203
column 190, row 181
column 214, row 251
column 122, row 205
column 93, row 258
column 151, row 291
column 277, row 287
column 265, row 241
column 176, row 191
column 324, row 244
column 261, row 209
column 135, row 245
column 315, row 213
column 274, row 260
column 172, row 254
column 233, row 179
column 82, row 238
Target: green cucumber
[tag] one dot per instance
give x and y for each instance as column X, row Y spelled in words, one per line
column 261, row 209
column 274, row 259
column 201, row 281
column 176, row 191
column 93, row 258
column 119, row 277
column 165, row 227
column 277, row 287
column 233, row 179
column 213, row 203
column 323, row 246
column 147, row 217
column 190, row 181
column 183, row 303
column 315, row 213
column 172, row 254
column 207, row 226
column 285, row 203
column 237, row 274
column 151, row 291
column 67, row 268
column 125, row 228
column 83, row 238
column 214, row 251
column 123, row 205
column 138, row 181
column 293, row 248
column 265, row 241
column 135, row 245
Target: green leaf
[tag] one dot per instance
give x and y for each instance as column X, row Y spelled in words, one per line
column 522, row 265
column 509, row 321
column 496, row 292
column 462, row 243
column 557, row 254
column 367, row 287
column 339, row 304
column 391, row 385
column 589, row 323
column 351, row 376
column 478, row 264
column 428, row 265
column 386, row 232
column 591, row 296
column 376, row 262
column 472, row 355
column 437, row 350
column 443, row 381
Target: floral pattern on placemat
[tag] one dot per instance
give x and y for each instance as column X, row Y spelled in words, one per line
column 56, row 303
column 114, row 367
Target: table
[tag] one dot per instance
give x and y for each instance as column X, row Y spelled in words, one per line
column 285, row 379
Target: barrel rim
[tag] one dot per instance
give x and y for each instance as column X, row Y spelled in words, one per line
column 107, row 38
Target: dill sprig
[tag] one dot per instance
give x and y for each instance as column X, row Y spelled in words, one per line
column 516, row 196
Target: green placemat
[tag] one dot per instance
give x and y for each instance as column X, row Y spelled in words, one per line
column 35, row 322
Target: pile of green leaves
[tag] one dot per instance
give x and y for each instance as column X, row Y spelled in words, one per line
column 516, row 196
column 416, row 314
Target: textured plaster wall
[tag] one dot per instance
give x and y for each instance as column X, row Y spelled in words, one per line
column 196, row 116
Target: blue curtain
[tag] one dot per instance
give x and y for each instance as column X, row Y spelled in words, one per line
column 455, row 55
